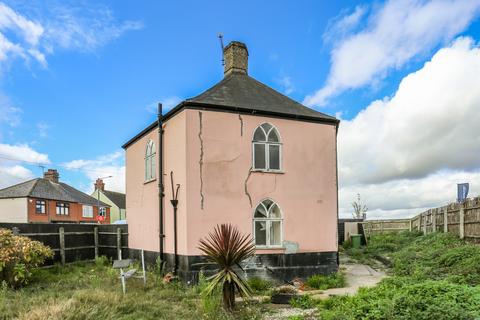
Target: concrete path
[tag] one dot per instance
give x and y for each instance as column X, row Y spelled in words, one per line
column 357, row 275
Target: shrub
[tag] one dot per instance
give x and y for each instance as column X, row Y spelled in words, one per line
column 303, row 302
column 259, row 285
column 402, row 298
column 18, row 256
column 322, row 282
column 226, row 248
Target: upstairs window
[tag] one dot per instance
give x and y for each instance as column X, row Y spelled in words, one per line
column 267, row 148
column 87, row 211
column 63, row 208
column 40, row 206
column 150, row 161
column 267, row 224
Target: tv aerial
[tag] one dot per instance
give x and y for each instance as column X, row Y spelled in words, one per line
column 220, row 37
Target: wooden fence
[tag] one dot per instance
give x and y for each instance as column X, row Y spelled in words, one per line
column 71, row 242
column 462, row 219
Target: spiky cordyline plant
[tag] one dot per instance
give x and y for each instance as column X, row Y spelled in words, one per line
column 227, row 248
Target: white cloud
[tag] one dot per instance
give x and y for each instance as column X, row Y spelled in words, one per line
column 393, row 34
column 410, row 150
column 11, row 172
column 9, row 114
column 168, row 103
column 43, row 128
column 85, row 28
column 37, row 33
column 106, row 165
column 287, row 84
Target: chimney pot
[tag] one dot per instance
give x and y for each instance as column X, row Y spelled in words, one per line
column 235, row 55
column 99, row 185
column 52, row 175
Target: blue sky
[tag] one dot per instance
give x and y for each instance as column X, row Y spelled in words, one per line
column 78, row 79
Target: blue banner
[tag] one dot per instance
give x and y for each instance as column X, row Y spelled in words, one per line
column 462, row 192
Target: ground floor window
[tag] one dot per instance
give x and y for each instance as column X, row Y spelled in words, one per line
column 87, row 211
column 102, row 212
column 63, row 208
column 40, row 206
column 267, row 224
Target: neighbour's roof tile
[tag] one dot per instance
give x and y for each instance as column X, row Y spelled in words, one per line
column 116, row 197
column 46, row 189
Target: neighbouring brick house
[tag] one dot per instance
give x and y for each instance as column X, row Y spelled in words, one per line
column 49, row 200
column 239, row 153
column 116, row 200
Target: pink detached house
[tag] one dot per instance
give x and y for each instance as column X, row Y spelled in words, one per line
column 241, row 153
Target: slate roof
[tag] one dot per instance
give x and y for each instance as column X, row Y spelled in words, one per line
column 46, row 189
column 237, row 92
column 116, row 197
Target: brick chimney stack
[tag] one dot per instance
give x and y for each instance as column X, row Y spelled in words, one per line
column 235, row 55
column 51, row 175
column 99, row 185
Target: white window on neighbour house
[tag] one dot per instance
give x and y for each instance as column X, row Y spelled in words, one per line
column 267, row 148
column 267, row 224
column 150, row 161
column 87, row 211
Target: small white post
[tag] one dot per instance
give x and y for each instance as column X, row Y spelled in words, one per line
column 143, row 269
column 61, row 233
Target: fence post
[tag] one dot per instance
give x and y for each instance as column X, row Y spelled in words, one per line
column 62, row 244
column 410, row 225
column 95, row 240
column 424, row 218
column 445, row 219
column 119, row 243
column 381, row 226
column 434, row 220
column 462, row 222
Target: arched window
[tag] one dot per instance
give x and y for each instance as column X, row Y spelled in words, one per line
column 267, row 148
column 267, row 224
column 150, row 172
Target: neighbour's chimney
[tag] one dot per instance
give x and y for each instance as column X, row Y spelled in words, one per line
column 51, row 175
column 235, row 55
column 99, row 185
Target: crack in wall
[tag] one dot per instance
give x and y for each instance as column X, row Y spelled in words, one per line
column 246, row 187
column 241, row 124
column 200, row 162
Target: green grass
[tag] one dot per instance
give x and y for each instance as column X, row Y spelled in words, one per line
column 322, row 282
column 436, row 276
column 93, row 291
column 260, row 286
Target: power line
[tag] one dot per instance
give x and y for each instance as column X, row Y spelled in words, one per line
column 43, row 165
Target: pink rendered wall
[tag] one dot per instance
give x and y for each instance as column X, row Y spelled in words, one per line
column 306, row 191
column 142, row 198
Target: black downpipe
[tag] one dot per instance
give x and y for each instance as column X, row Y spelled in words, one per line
column 174, row 203
column 161, row 188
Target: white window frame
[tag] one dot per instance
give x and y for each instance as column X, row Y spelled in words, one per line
column 63, row 209
column 268, row 221
column 102, row 211
column 150, row 163
column 43, row 205
column 87, row 211
column 267, row 145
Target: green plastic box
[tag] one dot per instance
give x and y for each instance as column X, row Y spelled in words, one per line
column 356, row 240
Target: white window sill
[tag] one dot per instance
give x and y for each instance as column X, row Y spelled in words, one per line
column 148, row 181
column 269, row 247
column 268, row 171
